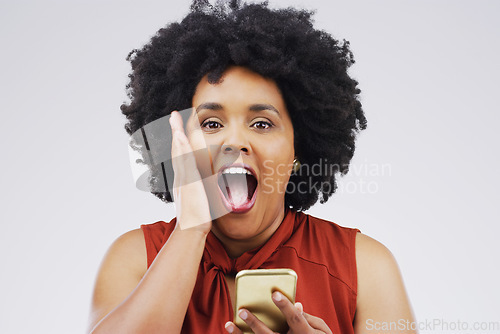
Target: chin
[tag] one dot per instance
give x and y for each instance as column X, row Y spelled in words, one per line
column 235, row 226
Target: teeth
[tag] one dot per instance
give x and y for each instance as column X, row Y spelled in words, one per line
column 236, row 170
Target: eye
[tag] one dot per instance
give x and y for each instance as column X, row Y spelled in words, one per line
column 262, row 125
column 211, row 125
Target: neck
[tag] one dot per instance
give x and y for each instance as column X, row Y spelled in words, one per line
column 236, row 247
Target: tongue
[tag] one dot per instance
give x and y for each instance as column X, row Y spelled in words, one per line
column 236, row 189
column 237, row 195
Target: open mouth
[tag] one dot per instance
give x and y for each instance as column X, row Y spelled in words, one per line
column 238, row 187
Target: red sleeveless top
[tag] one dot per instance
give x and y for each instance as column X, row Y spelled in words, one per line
column 321, row 253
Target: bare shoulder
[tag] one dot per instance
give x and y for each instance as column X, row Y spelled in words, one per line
column 127, row 254
column 373, row 256
column 122, row 268
column 382, row 297
column 130, row 246
column 376, row 266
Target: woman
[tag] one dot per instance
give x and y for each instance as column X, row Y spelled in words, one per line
column 268, row 93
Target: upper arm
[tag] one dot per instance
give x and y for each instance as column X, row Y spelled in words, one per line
column 122, row 268
column 382, row 299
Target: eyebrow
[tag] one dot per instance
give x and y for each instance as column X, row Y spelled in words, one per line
column 209, row 106
column 254, row 107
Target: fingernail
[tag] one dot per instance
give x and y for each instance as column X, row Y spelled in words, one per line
column 243, row 315
column 277, row 296
column 300, row 307
column 229, row 327
column 172, row 115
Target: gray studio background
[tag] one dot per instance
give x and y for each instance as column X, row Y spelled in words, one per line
column 424, row 179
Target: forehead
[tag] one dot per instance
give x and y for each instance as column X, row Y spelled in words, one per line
column 239, row 85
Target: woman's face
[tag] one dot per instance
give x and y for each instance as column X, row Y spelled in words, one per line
column 244, row 123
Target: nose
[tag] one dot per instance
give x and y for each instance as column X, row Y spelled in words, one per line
column 233, row 149
column 235, row 142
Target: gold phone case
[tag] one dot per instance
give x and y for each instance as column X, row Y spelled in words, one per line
column 253, row 292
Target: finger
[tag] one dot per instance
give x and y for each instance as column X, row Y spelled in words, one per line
column 299, row 307
column 176, row 121
column 178, row 135
column 191, row 205
column 253, row 322
column 293, row 315
column 232, row 328
column 314, row 322
column 183, row 160
column 317, row 323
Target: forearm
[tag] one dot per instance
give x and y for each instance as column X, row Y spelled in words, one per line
column 159, row 302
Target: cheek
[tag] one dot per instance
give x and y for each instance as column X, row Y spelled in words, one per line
column 277, row 166
column 197, row 141
column 195, row 134
column 275, row 177
column 201, row 153
column 280, row 149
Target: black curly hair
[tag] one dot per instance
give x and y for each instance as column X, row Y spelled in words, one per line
column 309, row 66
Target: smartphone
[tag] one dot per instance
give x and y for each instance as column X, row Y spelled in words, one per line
column 253, row 292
